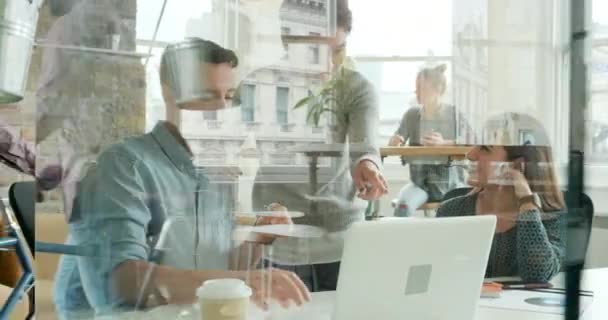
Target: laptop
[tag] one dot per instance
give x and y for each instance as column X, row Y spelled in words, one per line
column 419, row 269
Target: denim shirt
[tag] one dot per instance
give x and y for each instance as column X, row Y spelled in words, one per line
column 138, row 188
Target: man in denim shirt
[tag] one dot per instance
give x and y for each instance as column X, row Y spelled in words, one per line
column 147, row 184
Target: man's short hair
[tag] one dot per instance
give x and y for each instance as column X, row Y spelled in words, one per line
column 208, row 52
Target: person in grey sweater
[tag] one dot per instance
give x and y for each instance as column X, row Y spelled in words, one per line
column 432, row 124
column 518, row 184
column 352, row 178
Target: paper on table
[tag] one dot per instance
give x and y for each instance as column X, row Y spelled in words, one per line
column 291, row 214
column 517, row 300
column 287, row 230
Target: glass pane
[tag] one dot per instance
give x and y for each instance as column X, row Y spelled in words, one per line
column 597, row 125
column 282, row 105
column 321, row 147
column 248, row 103
column 422, row 28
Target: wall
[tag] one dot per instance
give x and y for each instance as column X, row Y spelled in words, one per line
column 79, row 102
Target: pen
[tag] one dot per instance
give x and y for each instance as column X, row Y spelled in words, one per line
column 528, row 286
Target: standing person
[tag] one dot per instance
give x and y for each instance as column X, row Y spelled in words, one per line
column 432, row 124
column 346, row 185
column 144, row 184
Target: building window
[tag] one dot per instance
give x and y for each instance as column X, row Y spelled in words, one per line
column 314, row 51
column 248, row 103
column 285, row 31
column 282, row 105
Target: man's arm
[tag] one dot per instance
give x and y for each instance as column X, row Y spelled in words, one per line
column 15, row 153
column 137, row 281
column 363, row 130
column 364, row 119
column 115, row 219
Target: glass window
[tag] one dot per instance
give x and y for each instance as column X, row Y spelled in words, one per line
column 286, row 31
column 472, row 97
column 248, row 103
column 282, row 103
column 314, row 51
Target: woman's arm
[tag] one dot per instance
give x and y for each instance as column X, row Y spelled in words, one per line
column 401, row 136
column 540, row 244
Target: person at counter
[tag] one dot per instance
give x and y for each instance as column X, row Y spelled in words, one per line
column 432, row 124
column 351, row 178
column 137, row 186
column 518, row 184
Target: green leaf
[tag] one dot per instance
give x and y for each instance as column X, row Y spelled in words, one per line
column 309, row 116
column 303, row 102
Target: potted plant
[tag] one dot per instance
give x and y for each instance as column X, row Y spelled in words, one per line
column 333, row 97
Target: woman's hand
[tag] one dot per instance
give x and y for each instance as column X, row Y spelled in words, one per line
column 396, row 141
column 280, row 285
column 434, row 139
column 520, row 183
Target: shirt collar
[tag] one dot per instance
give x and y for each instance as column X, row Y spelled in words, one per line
column 173, row 149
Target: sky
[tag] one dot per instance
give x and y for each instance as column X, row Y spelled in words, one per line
column 600, row 11
column 381, row 27
column 402, row 27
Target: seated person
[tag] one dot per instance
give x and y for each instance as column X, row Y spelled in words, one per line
column 138, row 186
column 518, row 184
column 432, row 124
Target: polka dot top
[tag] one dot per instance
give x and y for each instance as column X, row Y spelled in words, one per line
column 533, row 249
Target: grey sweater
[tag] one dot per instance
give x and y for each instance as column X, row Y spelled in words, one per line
column 354, row 129
column 435, row 177
column 338, row 207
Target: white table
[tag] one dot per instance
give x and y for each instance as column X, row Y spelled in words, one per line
column 595, row 280
column 320, row 308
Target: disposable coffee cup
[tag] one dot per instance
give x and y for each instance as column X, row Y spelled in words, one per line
column 224, row 299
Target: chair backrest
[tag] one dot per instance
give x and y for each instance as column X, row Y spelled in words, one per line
column 22, row 199
column 585, row 203
column 580, row 222
column 50, row 228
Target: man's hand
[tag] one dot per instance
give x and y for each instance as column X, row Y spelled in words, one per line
column 282, row 286
column 369, row 181
column 281, row 218
column 396, row 141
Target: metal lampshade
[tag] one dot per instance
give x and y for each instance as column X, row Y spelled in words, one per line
column 18, row 20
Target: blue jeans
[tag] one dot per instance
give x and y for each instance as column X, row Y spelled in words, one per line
column 411, row 197
column 68, row 294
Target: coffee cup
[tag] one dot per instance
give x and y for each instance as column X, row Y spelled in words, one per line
column 224, row 299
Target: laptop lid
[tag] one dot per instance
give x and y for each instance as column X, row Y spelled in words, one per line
column 396, row 269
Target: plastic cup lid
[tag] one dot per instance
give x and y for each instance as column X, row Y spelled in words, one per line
column 224, row 289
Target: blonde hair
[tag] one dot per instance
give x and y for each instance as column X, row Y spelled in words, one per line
column 435, row 76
